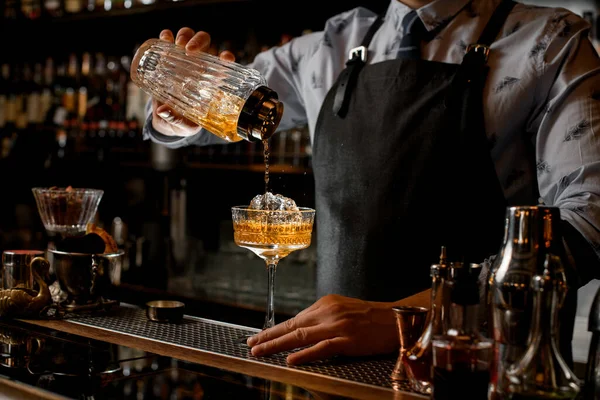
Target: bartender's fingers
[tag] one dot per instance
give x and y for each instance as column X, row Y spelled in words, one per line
column 173, row 117
column 290, row 325
column 226, row 55
column 320, row 351
column 183, row 36
column 166, row 35
column 167, row 121
column 199, row 42
column 295, row 339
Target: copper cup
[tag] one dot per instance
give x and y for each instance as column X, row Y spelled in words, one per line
column 410, row 321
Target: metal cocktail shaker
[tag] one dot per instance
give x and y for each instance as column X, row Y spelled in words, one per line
column 227, row 99
column 531, row 232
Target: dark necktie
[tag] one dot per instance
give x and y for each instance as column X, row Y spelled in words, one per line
column 413, row 32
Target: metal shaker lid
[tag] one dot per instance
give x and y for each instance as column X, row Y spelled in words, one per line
column 260, row 115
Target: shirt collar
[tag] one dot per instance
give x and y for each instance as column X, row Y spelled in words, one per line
column 433, row 14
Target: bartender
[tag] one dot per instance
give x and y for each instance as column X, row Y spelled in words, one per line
column 426, row 122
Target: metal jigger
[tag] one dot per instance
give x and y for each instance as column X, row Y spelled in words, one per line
column 411, row 322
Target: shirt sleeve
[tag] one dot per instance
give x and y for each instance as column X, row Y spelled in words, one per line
column 281, row 66
column 568, row 136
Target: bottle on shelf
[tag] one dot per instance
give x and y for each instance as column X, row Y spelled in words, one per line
column 11, row 10
column 46, row 91
column 11, row 109
column 31, row 9
column 74, row 6
column 34, row 101
column 53, row 8
column 4, row 93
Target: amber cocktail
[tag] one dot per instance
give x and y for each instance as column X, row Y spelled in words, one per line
column 272, row 235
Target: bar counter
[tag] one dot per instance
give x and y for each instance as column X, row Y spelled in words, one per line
column 120, row 354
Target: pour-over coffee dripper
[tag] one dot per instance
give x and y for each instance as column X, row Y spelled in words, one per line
column 83, row 276
column 66, row 212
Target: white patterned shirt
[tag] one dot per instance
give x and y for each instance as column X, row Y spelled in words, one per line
column 541, row 99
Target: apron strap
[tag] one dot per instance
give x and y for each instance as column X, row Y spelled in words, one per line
column 496, row 23
column 464, row 100
column 356, row 60
column 472, row 72
column 477, row 53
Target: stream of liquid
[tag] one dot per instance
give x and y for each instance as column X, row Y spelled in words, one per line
column 266, row 158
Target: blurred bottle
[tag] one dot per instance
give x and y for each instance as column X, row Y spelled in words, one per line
column 34, row 100
column 418, row 361
column 53, row 8
column 5, row 111
column 4, row 84
column 11, row 107
column 74, row 6
column 46, row 90
column 461, row 355
column 31, row 9
column 11, row 10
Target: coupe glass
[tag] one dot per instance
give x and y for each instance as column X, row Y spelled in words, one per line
column 272, row 235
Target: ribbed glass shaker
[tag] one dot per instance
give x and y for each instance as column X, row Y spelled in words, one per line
column 226, row 98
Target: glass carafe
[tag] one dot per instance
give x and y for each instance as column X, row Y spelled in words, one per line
column 226, row 98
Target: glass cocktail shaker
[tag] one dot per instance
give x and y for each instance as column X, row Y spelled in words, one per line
column 226, row 98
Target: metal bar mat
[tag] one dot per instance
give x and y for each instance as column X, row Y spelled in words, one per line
column 217, row 337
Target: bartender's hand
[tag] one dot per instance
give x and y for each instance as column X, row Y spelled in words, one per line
column 334, row 325
column 164, row 119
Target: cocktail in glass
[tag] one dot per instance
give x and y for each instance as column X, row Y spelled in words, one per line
column 272, row 235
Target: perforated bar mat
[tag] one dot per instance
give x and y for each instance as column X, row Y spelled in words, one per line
column 217, row 337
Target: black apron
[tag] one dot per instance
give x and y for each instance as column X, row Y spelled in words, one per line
column 402, row 166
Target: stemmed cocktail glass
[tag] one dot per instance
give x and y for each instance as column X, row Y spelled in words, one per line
column 272, row 235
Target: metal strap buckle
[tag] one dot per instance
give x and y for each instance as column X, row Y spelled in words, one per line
column 479, row 48
column 360, row 51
